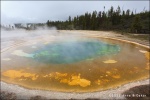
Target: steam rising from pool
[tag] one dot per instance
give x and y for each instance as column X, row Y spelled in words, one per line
column 74, row 51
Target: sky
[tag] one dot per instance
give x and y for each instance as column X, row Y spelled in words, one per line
column 41, row 11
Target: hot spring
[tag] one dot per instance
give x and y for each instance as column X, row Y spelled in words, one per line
column 74, row 51
column 81, row 65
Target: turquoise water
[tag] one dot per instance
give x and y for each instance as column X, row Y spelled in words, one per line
column 74, row 51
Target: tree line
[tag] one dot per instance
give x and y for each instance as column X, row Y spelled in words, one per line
column 113, row 19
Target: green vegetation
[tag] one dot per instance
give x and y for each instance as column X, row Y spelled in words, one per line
column 113, row 19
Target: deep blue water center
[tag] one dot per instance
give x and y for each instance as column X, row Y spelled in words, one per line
column 74, row 51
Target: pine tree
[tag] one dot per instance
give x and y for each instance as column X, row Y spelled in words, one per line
column 69, row 19
column 48, row 23
column 136, row 24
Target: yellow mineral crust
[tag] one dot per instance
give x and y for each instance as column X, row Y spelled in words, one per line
column 147, row 55
column 105, row 80
column 148, row 66
column 61, row 75
column 98, row 82
column 56, row 75
column 116, row 76
column 19, row 74
column 70, row 80
column 64, row 81
column 108, row 72
column 110, row 61
column 76, row 80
